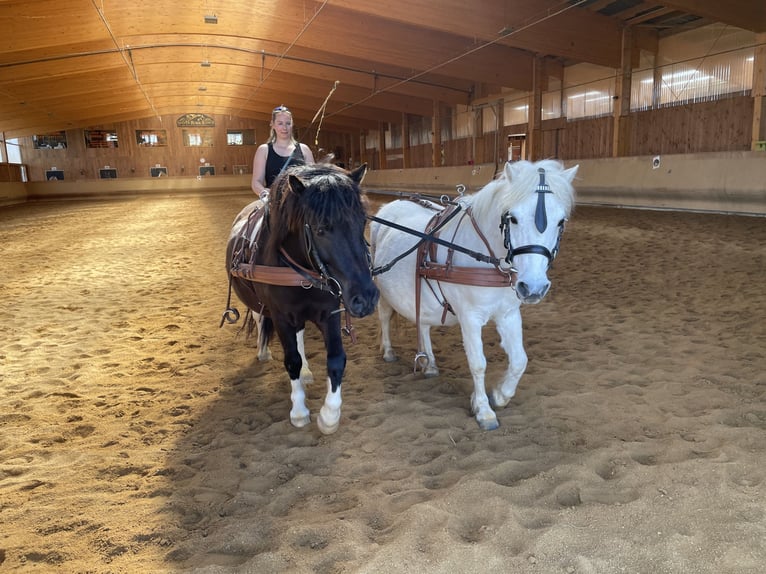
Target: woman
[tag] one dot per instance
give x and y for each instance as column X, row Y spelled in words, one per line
column 280, row 151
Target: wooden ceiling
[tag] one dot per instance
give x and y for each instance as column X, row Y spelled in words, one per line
column 79, row 63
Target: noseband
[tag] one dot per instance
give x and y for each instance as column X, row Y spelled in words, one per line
column 541, row 223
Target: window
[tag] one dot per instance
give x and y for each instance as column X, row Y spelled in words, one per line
column 588, row 91
column 198, row 137
column 697, row 80
column 101, row 138
column 151, row 138
column 55, row 140
column 240, row 137
column 14, row 150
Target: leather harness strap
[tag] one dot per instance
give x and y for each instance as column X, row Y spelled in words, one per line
column 428, row 269
column 243, row 263
column 243, row 266
column 282, row 276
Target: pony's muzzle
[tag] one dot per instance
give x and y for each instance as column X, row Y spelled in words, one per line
column 532, row 293
column 363, row 302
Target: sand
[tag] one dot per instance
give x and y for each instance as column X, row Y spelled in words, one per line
column 137, row 436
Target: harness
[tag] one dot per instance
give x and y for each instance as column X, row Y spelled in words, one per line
column 243, row 266
column 433, row 273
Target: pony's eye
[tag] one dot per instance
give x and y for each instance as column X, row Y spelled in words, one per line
column 514, row 220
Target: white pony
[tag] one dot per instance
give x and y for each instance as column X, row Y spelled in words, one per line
column 479, row 260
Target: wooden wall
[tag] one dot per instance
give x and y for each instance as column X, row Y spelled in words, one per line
column 10, row 172
column 716, row 126
column 720, row 125
column 132, row 160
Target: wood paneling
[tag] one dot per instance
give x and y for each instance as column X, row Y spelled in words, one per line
column 720, row 125
column 132, row 160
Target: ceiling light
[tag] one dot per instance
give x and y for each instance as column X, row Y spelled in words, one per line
column 202, row 89
column 211, row 19
column 205, row 64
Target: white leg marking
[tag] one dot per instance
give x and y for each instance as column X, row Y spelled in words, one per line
column 306, row 375
column 329, row 415
column 299, row 414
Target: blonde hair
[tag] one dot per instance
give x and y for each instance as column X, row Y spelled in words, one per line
column 281, row 109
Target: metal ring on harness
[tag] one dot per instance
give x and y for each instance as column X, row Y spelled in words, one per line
column 230, row 316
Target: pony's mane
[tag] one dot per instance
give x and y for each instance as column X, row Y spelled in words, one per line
column 502, row 194
column 330, row 196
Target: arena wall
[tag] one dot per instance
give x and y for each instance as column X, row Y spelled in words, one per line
column 728, row 182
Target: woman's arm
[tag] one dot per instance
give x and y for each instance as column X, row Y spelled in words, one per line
column 258, row 183
column 307, row 155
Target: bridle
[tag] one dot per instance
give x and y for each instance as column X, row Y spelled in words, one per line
column 324, row 281
column 541, row 223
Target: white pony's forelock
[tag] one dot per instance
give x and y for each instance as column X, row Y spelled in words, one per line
column 524, row 178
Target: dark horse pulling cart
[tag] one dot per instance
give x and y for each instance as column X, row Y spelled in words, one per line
column 302, row 257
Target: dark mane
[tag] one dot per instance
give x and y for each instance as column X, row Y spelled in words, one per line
column 329, row 197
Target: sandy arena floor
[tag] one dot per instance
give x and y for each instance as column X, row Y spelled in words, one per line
column 137, row 436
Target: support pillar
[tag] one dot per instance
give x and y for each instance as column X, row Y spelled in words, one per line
column 621, row 107
column 759, row 93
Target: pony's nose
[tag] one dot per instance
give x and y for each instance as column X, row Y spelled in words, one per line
column 362, row 304
column 532, row 293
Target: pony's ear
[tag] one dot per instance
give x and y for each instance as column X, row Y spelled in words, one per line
column 296, row 184
column 570, row 173
column 509, row 169
column 358, row 174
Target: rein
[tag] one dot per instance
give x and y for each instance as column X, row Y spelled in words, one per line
column 430, row 238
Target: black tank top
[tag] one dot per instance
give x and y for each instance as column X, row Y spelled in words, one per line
column 276, row 163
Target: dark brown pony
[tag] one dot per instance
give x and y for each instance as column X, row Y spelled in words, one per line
column 302, row 257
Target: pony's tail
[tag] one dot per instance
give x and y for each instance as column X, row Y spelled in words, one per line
column 265, row 331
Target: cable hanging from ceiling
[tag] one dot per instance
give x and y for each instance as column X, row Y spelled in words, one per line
column 127, row 59
column 506, row 33
column 281, row 56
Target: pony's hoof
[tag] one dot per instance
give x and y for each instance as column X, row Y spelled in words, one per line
column 498, row 401
column 431, row 372
column 488, row 424
column 307, row 377
column 300, row 422
column 390, row 357
column 325, row 428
